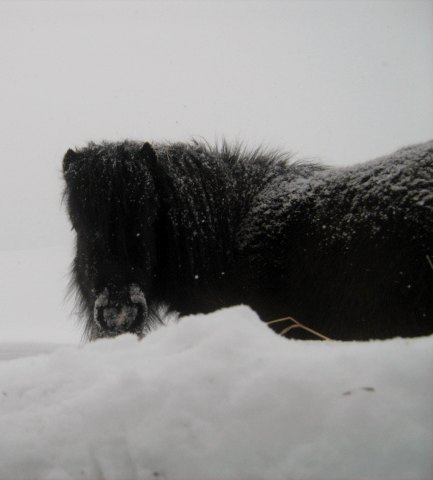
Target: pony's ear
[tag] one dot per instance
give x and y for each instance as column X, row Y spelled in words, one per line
column 147, row 153
column 69, row 157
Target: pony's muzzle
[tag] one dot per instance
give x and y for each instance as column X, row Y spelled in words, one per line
column 116, row 313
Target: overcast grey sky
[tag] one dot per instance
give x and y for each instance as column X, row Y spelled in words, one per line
column 343, row 81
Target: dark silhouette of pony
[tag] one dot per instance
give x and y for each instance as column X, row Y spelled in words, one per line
column 346, row 251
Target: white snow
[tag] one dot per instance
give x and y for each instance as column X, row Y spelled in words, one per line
column 219, row 396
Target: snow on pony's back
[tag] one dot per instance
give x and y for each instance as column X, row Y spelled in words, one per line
column 219, row 396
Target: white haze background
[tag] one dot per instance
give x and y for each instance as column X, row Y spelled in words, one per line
column 218, row 396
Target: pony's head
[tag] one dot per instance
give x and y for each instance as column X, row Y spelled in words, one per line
column 113, row 205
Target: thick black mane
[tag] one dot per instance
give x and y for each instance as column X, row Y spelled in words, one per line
column 205, row 194
column 200, row 227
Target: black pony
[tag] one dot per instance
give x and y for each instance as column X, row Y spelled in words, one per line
column 346, row 251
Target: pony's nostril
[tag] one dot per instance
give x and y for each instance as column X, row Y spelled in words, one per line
column 102, row 299
column 137, row 296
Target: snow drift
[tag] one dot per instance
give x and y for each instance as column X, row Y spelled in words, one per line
column 219, row 396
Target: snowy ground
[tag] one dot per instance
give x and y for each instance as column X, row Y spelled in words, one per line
column 219, row 397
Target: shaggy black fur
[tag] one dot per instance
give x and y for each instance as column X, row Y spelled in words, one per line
column 345, row 251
